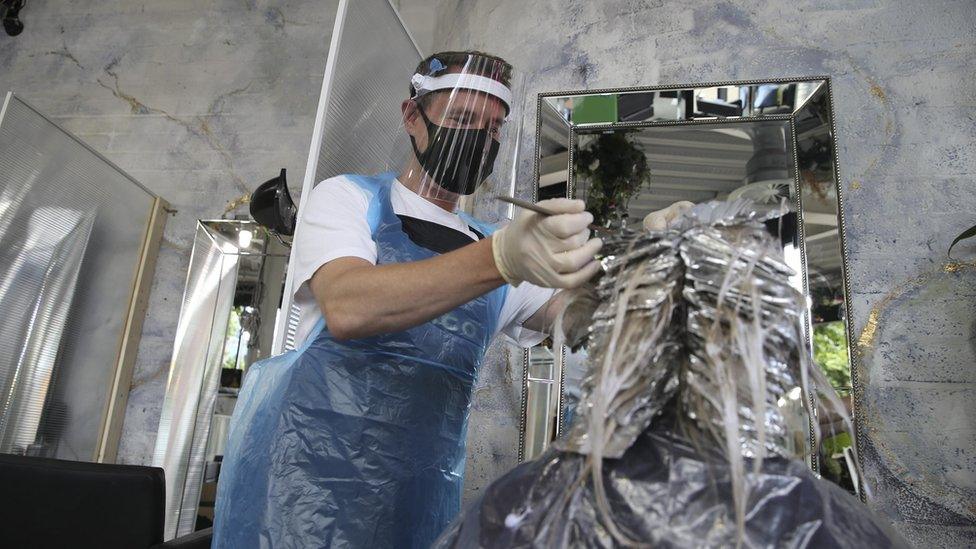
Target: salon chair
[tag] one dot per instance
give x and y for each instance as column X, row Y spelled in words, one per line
column 55, row 503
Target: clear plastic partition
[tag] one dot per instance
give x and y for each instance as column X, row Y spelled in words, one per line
column 358, row 126
column 76, row 246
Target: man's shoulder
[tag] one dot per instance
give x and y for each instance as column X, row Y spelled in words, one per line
column 339, row 182
column 335, row 192
column 351, row 184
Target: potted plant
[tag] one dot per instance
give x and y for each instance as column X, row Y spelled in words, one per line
column 614, row 168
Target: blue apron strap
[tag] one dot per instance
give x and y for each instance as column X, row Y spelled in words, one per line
column 498, row 296
column 377, row 189
column 484, row 228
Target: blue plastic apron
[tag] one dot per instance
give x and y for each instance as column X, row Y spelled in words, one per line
column 357, row 443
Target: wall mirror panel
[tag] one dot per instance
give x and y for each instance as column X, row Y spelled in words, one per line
column 770, row 141
column 227, row 320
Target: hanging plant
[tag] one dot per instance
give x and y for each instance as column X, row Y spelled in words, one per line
column 615, row 169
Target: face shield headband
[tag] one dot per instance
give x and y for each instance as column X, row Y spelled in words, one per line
column 423, row 85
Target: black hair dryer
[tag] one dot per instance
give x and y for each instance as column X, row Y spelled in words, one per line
column 272, row 206
column 10, row 14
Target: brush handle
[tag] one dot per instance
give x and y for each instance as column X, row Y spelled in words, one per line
column 542, row 210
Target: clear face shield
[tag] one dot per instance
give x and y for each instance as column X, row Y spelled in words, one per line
column 463, row 124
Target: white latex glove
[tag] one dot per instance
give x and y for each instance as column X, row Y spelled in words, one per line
column 662, row 219
column 550, row 251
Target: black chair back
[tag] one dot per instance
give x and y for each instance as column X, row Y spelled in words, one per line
column 54, row 503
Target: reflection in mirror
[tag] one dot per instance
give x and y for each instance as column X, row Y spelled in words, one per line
column 667, row 164
column 231, row 302
column 732, row 100
column 541, row 399
column 628, row 153
column 824, row 263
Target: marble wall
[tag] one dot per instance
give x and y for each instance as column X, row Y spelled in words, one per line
column 905, row 92
column 200, row 101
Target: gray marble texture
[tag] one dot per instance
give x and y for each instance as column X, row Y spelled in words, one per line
column 200, row 101
column 904, row 82
column 493, row 423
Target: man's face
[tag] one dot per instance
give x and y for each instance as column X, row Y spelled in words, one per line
column 464, row 109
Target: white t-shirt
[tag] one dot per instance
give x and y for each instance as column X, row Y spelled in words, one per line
column 333, row 224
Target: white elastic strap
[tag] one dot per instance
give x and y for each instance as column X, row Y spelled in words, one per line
column 426, row 84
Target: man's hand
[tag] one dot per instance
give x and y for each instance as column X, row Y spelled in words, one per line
column 662, row 219
column 551, row 251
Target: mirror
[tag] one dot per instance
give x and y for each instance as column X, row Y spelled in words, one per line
column 230, row 305
column 629, row 152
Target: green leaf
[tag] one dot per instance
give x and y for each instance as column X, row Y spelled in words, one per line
column 968, row 233
column 830, row 352
column 837, row 443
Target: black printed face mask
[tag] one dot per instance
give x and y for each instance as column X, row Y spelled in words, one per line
column 455, row 158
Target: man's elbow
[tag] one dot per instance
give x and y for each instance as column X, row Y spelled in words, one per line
column 343, row 327
column 343, row 315
column 345, row 324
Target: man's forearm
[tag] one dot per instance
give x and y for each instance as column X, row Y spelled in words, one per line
column 359, row 299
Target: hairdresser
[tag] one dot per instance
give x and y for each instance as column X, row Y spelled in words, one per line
column 357, row 438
